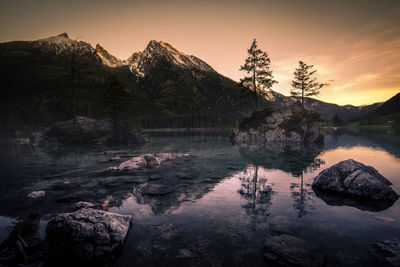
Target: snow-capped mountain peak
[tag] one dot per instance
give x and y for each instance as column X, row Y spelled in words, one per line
column 107, row 58
column 62, row 44
column 139, row 62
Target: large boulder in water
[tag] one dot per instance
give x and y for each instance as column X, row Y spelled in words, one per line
column 353, row 178
column 88, row 233
column 288, row 124
column 82, row 130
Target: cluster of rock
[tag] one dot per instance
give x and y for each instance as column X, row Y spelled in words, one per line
column 353, row 178
column 84, row 130
column 87, row 233
column 145, row 161
column 273, row 127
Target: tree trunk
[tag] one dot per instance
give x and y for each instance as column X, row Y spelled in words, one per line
column 254, row 84
column 73, row 89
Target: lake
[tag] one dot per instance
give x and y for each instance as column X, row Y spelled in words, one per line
column 222, row 203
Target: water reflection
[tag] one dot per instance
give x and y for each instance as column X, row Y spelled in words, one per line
column 257, row 193
column 291, row 158
column 296, row 159
column 301, row 195
column 361, row 204
column 209, row 206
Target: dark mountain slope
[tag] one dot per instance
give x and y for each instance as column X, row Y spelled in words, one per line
column 37, row 78
column 388, row 113
column 345, row 113
column 388, row 107
column 39, row 81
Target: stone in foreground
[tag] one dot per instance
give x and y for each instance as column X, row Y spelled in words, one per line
column 387, row 251
column 353, row 178
column 36, row 194
column 87, row 233
column 288, row 250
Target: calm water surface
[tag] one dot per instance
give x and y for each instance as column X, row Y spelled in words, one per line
column 222, row 204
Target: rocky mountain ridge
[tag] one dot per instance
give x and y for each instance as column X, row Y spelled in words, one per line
column 39, row 79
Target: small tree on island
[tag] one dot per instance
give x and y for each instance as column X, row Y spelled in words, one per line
column 257, row 67
column 304, row 83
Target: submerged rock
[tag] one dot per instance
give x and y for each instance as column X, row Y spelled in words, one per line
column 88, row 233
column 37, row 194
column 116, row 158
column 288, row 124
column 156, row 189
column 84, row 204
column 353, row 178
column 146, row 161
column 67, row 185
column 288, row 250
column 21, row 141
column 387, row 251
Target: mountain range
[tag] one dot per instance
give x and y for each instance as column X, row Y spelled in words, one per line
column 41, row 79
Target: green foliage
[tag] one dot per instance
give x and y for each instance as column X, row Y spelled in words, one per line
column 336, row 120
column 256, row 119
column 117, row 101
column 388, row 120
column 294, row 123
column 36, row 91
column 36, row 86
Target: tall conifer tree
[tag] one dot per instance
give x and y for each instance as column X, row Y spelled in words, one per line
column 304, row 83
column 258, row 74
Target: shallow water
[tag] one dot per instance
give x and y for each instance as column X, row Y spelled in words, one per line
column 223, row 203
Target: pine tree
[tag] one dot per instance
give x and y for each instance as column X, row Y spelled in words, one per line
column 304, row 83
column 116, row 102
column 259, row 76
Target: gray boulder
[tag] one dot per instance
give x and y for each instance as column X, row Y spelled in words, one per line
column 37, row 194
column 288, row 250
column 84, row 130
column 353, row 178
column 88, row 233
column 290, row 124
column 387, row 251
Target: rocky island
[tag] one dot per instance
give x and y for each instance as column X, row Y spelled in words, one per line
column 291, row 124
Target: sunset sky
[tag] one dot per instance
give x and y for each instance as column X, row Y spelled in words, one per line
column 354, row 44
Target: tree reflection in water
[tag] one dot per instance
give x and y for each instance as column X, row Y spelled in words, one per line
column 302, row 193
column 295, row 159
column 257, row 193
